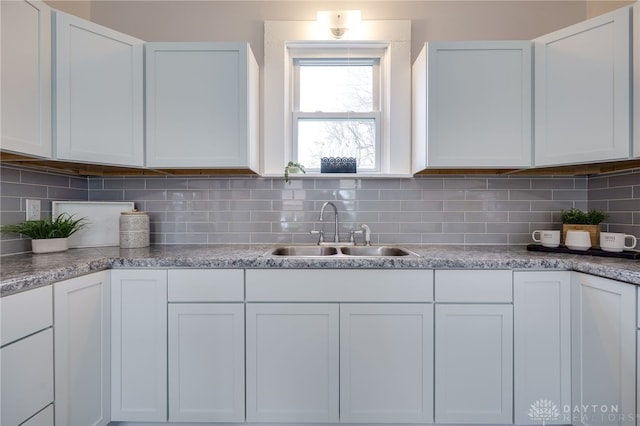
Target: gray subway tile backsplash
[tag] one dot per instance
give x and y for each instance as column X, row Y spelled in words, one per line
column 452, row 209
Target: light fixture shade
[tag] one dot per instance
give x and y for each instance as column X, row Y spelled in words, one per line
column 338, row 21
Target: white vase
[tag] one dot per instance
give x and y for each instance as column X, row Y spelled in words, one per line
column 49, row 245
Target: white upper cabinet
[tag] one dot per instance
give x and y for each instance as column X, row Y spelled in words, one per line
column 26, row 77
column 472, row 105
column 582, row 92
column 98, row 93
column 202, row 101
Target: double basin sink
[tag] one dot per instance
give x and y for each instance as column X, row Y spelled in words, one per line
column 340, row 251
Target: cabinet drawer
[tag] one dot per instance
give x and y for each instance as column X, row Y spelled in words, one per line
column 26, row 368
column 348, row 285
column 474, row 286
column 206, row 285
column 25, row 313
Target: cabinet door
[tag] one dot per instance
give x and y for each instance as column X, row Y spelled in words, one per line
column 582, row 89
column 43, row 418
column 603, row 350
column 82, row 317
column 542, row 345
column 292, row 362
column 99, row 93
column 474, row 364
column 386, row 363
column 138, row 345
column 26, row 369
column 472, row 105
column 198, row 109
column 26, row 77
column 206, row 362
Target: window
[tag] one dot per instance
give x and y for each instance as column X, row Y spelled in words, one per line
column 292, row 45
column 336, row 108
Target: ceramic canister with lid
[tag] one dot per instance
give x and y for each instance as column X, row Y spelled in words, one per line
column 134, row 229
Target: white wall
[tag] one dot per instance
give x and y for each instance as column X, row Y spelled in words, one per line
column 183, row 20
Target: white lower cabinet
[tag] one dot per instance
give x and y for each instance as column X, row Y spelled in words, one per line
column 603, row 351
column 542, row 346
column 26, row 356
column 474, row 364
column 206, row 346
column 43, row 418
column 354, row 346
column 292, row 362
column 139, row 345
column 83, row 350
column 386, row 354
column 26, row 370
column 473, row 347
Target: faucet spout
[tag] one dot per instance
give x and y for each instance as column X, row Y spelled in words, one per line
column 336, row 236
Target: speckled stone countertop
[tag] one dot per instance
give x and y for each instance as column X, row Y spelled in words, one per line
column 25, row 271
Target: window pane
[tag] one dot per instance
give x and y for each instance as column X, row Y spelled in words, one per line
column 336, row 88
column 337, row 138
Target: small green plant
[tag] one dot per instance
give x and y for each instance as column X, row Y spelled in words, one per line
column 62, row 226
column 291, row 165
column 579, row 217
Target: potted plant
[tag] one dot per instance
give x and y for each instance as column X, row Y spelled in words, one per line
column 292, row 168
column 48, row 235
column 579, row 220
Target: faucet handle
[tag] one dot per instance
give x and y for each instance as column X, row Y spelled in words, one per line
column 352, row 236
column 320, row 236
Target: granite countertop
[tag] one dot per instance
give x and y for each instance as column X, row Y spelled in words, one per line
column 25, row 271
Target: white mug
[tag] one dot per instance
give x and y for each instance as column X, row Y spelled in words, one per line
column 578, row 240
column 547, row 238
column 615, row 241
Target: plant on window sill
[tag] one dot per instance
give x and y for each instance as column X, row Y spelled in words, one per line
column 292, row 168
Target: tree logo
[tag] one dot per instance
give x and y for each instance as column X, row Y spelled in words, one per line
column 543, row 410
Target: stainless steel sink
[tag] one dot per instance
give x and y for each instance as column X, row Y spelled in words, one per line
column 340, row 251
column 373, row 251
column 304, row 251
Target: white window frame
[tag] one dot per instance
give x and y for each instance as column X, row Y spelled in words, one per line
column 394, row 37
column 339, row 54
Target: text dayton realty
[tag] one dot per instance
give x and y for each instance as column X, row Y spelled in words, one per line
column 545, row 411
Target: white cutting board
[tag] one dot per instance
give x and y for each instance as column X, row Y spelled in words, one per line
column 103, row 217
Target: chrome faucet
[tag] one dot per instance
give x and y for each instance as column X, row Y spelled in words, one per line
column 336, row 236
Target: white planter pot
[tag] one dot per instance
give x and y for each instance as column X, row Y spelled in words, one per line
column 50, row 245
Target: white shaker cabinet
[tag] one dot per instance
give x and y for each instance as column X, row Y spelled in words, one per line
column 542, row 345
column 582, row 92
column 386, row 359
column 603, row 350
column 473, row 347
column 206, row 345
column 201, row 105
column 83, row 350
column 26, row 356
column 139, row 345
column 26, row 77
column 292, row 362
column 99, row 93
column 472, row 105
